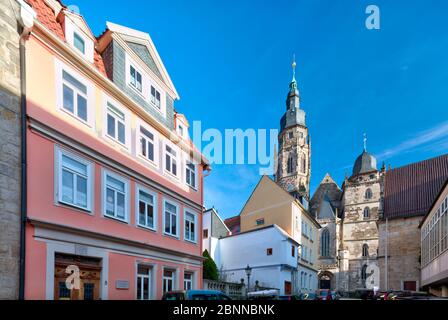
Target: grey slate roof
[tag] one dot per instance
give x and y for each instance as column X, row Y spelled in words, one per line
column 364, row 163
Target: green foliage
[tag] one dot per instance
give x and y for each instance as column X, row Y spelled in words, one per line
column 210, row 268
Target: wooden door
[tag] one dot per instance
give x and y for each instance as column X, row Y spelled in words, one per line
column 89, row 274
column 287, row 287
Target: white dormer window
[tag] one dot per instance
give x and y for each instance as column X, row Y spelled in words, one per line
column 78, row 37
column 135, row 78
column 181, row 130
column 79, row 43
column 155, row 97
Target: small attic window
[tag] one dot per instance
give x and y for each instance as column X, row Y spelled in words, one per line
column 79, row 43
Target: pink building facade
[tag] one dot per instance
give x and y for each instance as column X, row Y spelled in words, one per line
column 114, row 186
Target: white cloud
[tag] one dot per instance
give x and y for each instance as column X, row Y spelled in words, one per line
column 437, row 136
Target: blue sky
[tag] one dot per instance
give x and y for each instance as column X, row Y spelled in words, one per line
column 230, row 62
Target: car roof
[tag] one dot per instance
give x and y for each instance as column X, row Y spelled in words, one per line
column 204, row 292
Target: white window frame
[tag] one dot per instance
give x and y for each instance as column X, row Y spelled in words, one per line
column 126, row 182
column 131, row 80
column 70, row 29
column 177, row 159
column 137, row 207
column 138, row 152
column 59, row 152
column 173, row 278
column 191, row 281
column 127, row 122
column 144, row 276
column 153, row 99
column 186, row 168
column 165, row 201
column 147, row 82
column 195, row 221
column 60, row 67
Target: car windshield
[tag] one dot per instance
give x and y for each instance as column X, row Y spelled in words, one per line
column 204, row 297
column 324, row 293
column 174, row 296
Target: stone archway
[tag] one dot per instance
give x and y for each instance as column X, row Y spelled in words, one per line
column 325, row 280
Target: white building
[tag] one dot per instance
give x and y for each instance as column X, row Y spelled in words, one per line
column 269, row 251
column 213, row 228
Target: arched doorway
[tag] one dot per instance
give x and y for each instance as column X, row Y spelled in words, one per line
column 325, row 280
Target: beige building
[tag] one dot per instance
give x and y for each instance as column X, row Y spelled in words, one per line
column 434, row 246
column 270, row 204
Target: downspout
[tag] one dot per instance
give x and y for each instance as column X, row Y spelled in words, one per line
column 27, row 16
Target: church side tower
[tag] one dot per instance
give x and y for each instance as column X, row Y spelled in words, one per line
column 294, row 155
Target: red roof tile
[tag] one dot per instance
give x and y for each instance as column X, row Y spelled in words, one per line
column 411, row 190
column 46, row 16
column 233, row 224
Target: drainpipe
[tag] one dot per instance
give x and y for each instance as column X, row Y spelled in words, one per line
column 27, row 16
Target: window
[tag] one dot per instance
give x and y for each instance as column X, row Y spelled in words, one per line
column 190, row 226
column 364, row 275
column 168, row 280
column 368, row 194
column 74, row 96
column 365, row 250
column 181, row 130
column 366, row 213
column 269, row 251
column 79, row 43
column 260, row 222
column 116, row 196
column 293, row 251
column 188, row 281
column 135, row 78
column 290, row 165
column 170, row 160
column 116, row 127
column 325, row 243
column 205, row 233
column 155, row 97
column 190, row 174
column 143, row 282
column 147, row 146
column 170, row 219
column 290, row 135
column 147, row 212
column 75, row 180
column 303, row 164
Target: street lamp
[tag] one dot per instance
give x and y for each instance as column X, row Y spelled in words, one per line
column 248, row 273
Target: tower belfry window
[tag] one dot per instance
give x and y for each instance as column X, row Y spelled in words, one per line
column 290, row 165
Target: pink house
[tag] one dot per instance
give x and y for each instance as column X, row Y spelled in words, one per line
column 114, row 186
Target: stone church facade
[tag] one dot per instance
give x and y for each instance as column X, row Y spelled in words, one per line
column 348, row 239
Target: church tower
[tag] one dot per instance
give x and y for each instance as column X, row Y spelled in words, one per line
column 294, row 154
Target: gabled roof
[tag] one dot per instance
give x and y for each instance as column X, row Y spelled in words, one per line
column 232, row 223
column 215, row 212
column 272, row 226
column 79, row 21
column 143, row 38
column 411, row 190
column 47, row 17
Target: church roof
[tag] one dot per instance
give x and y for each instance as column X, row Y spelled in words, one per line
column 364, row 163
column 410, row 190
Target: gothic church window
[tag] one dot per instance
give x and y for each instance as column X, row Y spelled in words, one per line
column 290, row 166
column 325, row 243
column 303, row 164
column 365, row 250
column 366, row 213
column 364, row 274
column 369, row 194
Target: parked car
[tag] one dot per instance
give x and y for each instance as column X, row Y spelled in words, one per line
column 195, row 295
column 289, row 297
column 324, row 294
column 263, row 295
column 365, row 294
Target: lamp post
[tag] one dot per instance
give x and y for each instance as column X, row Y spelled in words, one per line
column 248, row 273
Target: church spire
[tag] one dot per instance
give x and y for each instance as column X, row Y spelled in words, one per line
column 294, row 65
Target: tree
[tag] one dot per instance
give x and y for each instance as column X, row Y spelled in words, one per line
column 210, row 268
